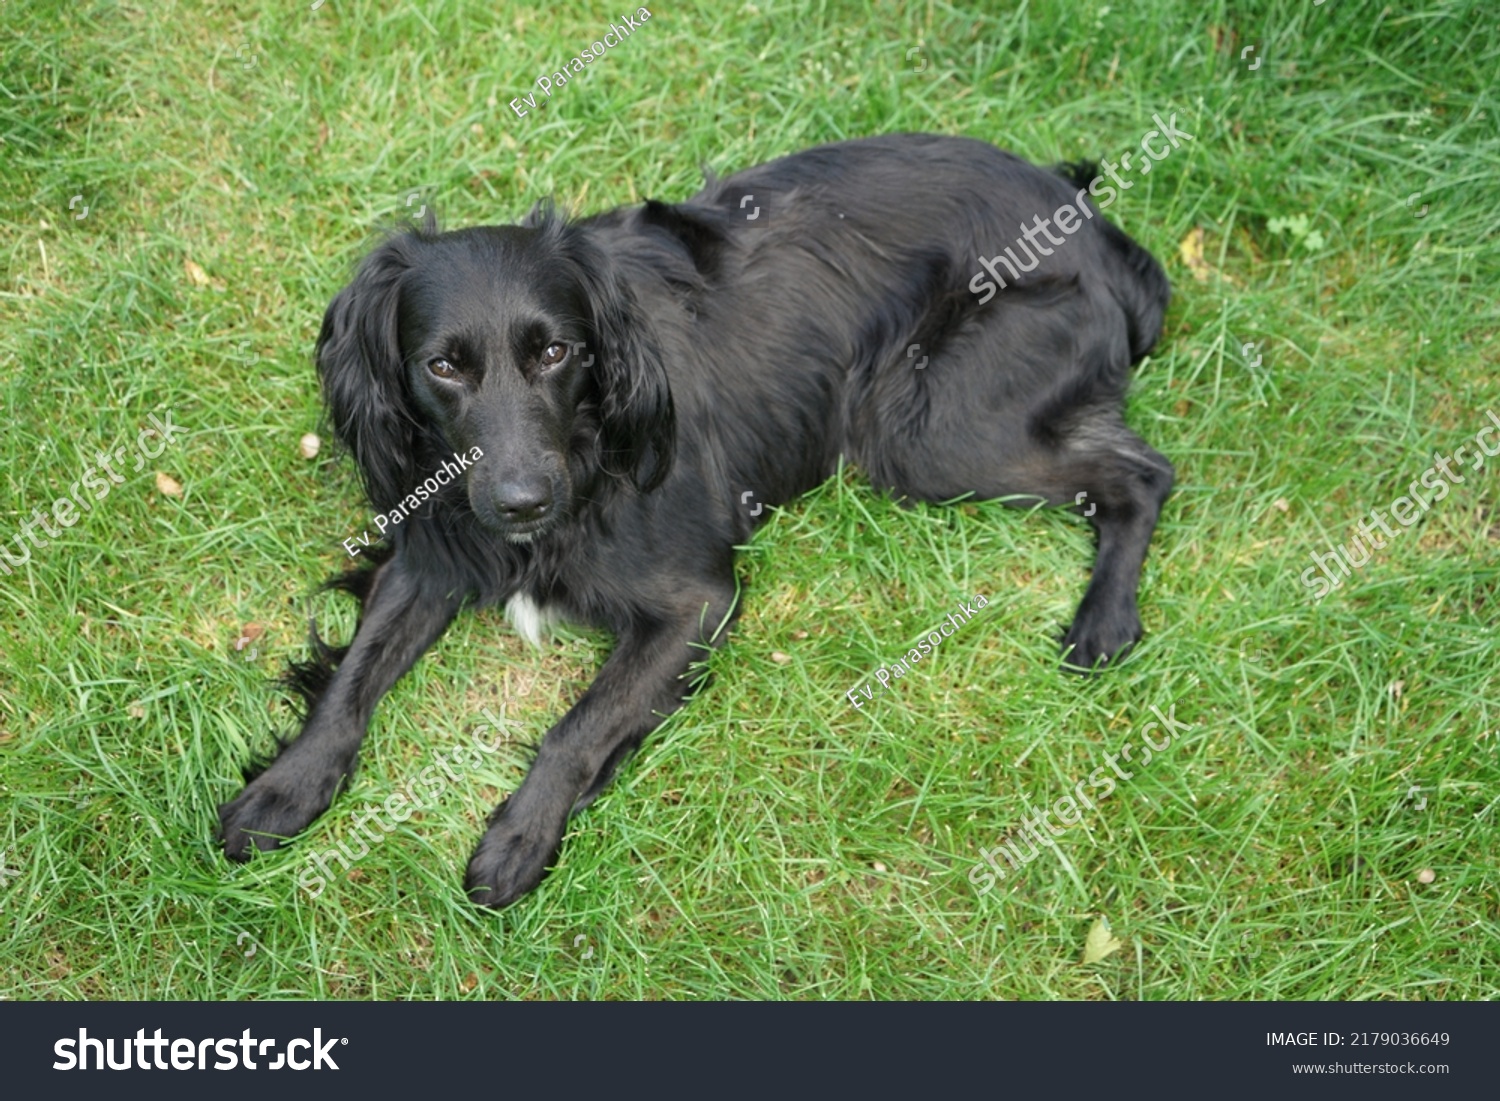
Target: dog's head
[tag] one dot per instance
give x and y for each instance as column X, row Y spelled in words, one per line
column 521, row 341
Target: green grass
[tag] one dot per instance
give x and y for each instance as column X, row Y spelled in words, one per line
column 771, row 841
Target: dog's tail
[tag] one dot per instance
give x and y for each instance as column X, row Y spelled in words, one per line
column 1144, row 290
column 1078, row 173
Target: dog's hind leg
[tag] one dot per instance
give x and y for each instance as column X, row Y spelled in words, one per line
column 1119, row 482
column 1046, row 425
column 645, row 679
column 400, row 620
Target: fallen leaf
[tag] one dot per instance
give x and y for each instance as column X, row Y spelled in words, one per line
column 249, row 634
column 309, row 445
column 1191, row 252
column 195, row 273
column 1101, row 942
column 169, row 485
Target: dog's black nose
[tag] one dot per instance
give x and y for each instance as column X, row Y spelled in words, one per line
column 520, row 503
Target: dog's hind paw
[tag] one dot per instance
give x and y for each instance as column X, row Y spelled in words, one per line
column 1095, row 642
column 514, row 855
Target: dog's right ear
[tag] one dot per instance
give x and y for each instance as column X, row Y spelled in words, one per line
column 359, row 364
column 638, row 426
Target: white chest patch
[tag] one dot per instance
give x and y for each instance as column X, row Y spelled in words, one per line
column 530, row 619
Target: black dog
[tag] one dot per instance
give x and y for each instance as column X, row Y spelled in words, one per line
column 618, row 384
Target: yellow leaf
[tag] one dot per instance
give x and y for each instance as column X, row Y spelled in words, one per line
column 1101, row 942
column 195, row 273
column 1191, row 252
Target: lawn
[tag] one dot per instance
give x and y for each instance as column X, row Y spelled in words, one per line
column 184, row 187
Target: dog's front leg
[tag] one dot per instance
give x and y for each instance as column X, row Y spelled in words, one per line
column 644, row 680
column 400, row 620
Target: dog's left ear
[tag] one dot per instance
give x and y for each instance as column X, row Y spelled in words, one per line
column 359, row 363
column 638, row 425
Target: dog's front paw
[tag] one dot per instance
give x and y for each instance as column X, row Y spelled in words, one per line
column 277, row 804
column 1099, row 636
column 514, row 855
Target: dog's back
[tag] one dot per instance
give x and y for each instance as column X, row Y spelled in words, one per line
column 883, row 205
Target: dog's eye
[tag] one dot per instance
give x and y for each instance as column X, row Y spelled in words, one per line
column 554, row 354
column 442, row 367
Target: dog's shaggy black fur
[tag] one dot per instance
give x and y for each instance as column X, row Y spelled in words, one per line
column 629, row 377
